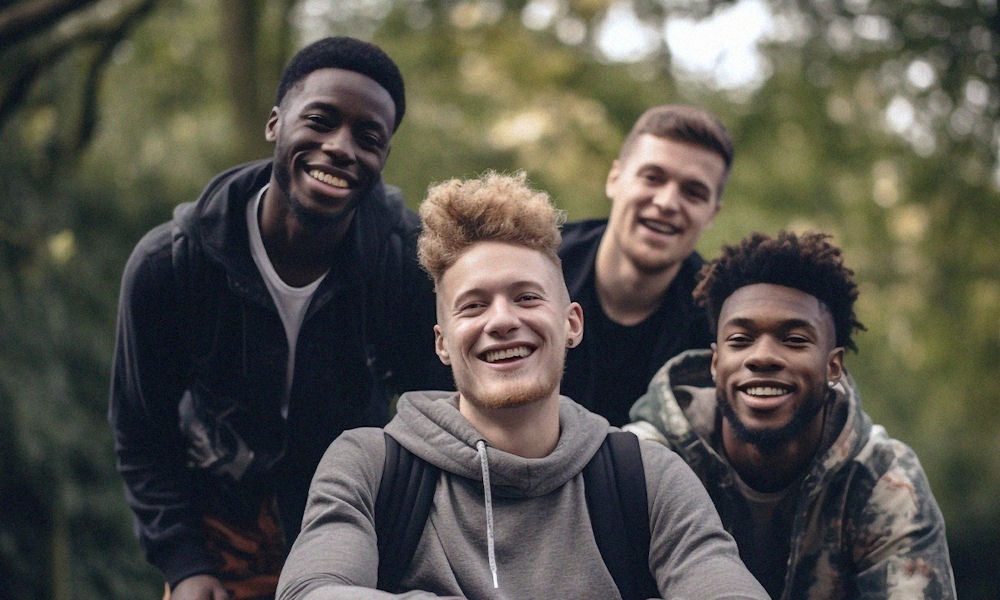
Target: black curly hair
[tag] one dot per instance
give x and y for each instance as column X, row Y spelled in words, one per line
column 807, row 262
column 353, row 55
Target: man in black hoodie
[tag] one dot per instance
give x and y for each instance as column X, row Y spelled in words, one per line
column 634, row 272
column 283, row 307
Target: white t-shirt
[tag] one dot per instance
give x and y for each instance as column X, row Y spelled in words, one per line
column 291, row 302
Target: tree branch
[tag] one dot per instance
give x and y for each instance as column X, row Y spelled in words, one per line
column 19, row 21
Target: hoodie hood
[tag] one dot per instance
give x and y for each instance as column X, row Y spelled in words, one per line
column 681, row 405
column 217, row 223
column 429, row 425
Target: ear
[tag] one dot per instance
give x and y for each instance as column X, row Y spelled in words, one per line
column 574, row 320
column 835, row 364
column 271, row 128
column 610, row 184
column 715, row 358
column 440, row 347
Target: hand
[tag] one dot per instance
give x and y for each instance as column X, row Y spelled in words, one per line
column 199, row 587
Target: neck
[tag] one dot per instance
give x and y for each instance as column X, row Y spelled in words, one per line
column 627, row 294
column 773, row 470
column 529, row 430
column 300, row 253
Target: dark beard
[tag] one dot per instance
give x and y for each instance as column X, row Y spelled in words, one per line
column 770, row 441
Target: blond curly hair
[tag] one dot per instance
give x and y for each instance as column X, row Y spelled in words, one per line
column 496, row 207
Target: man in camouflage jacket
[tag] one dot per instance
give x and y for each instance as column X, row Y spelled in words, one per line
column 822, row 502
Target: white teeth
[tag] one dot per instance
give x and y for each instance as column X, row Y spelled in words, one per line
column 664, row 228
column 495, row 355
column 766, row 391
column 328, row 179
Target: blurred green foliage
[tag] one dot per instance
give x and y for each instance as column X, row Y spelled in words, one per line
column 874, row 121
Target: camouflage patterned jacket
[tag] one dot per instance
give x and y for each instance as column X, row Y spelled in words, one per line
column 865, row 525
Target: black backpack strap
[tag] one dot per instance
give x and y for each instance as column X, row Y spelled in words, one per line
column 402, row 506
column 615, row 486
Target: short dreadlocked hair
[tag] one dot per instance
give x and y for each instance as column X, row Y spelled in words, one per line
column 806, row 262
column 349, row 54
column 494, row 208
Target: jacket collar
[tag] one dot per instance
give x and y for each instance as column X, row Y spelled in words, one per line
column 681, row 404
column 218, row 222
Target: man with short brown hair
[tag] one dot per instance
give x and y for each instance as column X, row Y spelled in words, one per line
column 633, row 273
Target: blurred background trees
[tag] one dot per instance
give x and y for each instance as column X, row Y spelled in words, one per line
column 876, row 121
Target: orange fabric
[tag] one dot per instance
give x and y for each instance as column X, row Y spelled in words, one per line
column 250, row 558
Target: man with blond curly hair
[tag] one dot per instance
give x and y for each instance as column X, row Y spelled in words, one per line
column 510, row 515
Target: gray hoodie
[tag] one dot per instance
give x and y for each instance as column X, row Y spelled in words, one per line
column 532, row 519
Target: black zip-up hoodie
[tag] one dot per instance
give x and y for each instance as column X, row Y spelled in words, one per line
column 200, row 360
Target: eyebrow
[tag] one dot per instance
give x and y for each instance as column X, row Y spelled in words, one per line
column 518, row 286
column 333, row 108
column 643, row 167
column 786, row 324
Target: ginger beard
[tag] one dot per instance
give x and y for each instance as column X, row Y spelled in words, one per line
column 511, row 390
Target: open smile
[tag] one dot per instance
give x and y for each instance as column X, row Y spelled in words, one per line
column 661, row 227
column 506, row 354
column 764, row 396
column 328, row 179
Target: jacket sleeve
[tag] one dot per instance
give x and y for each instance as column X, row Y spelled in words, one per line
column 336, row 552
column 898, row 536
column 690, row 554
column 148, row 373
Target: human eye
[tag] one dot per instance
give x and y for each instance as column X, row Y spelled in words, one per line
column 319, row 121
column 651, row 177
column 697, row 193
column 371, row 138
column 529, row 298
column 470, row 308
column 797, row 340
column 738, row 340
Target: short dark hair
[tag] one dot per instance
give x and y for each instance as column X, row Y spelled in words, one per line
column 350, row 54
column 806, row 262
column 683, row 124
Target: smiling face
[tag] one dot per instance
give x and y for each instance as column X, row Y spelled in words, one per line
column 775, row 353
column 332, row 133
column 504, row 323
column 663, row 194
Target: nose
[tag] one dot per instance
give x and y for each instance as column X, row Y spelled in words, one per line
column 339, row 144
column 764, row 355
column 501, row 319
column 668, row 197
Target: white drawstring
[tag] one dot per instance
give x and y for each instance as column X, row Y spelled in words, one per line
column 485, row 466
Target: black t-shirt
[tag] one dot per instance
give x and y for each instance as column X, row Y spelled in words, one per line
column 617, row 361
column 612, row 366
